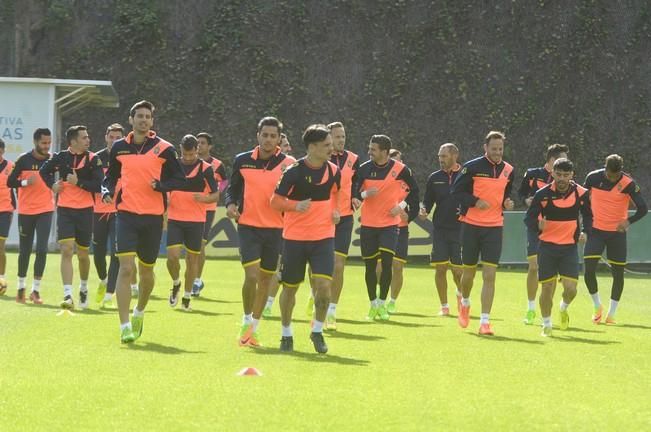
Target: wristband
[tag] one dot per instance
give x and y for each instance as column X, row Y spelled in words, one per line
column 402, row 205
column 363, row 194
column 23, row 183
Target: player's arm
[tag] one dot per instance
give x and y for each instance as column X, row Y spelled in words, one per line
column 209, row 180
column 13, row 181
column 280, row 200
column 112, row 175
column 534, row 211
column 220, row 173
column 94, row 184
column 463, row 186
column 586, row 213
column 430, row 195
column 172, row 175
column 524, row 192
column 49, row 168
column 235, row 190
column 642, row 209
column 507, row 202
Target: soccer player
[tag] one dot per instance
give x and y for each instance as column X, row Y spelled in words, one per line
column 104, row 227
column 611, row 191
column 186, row 219
column 80, row 177
column 7, row 207
column 35, row 208
column 380, row 183
column 534, row 179
column 482, row 188
column 402, row 247
column 248, row 200
column 554, row 215
column 141, row 160
column 308, row 195
column 285, row 148
column 446, row 250
column 204, row 147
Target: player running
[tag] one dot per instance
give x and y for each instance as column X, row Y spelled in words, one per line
column 7, row 207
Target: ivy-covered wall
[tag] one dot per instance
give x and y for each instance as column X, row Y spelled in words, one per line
column 422, row 72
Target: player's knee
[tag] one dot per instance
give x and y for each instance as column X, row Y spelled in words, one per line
column 66, row 249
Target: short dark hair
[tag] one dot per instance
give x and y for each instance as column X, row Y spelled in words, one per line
column 270, row 121
column 189, row 142
column 383, row 141
column 494, row 135
column 205, row 135
column 141, row 104
column 115, row 127
column 2, row 143
column 335, row 125
column 554, row 151
column 394, row 152
column 614, row 163
column 73, row 132
column 315, row 133
column 563, row 164
column 39, row 132
column 283, row 135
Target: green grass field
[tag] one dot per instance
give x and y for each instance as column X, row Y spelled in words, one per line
column 415, row 372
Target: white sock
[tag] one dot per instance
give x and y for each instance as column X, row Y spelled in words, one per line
column 445, row 305
column 374, row 303
column 2, row 276
column 380, row 302
column 134, row 287
column 484, row 318
column 67, row 290
column 108, row 297
column 36, row 285
column 187, row 294
column 247, row 319
column 547, row 321
column 465, row 301
column 176, row 282
column 332, row 308
column 595, row 299
column 125, row 325
column 21, row 283
column 317, row 327
column 287, row 331
column 83, row 285
column 197, row 281
column 138, row 313
column 613, row 307
column 255, row 323
column 532, row 305
column 105, row 281
column 270, row 301
column 458, row 293
column 564, row 305
column 392, row 300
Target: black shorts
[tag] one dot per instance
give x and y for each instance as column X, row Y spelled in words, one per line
column 402, row 247
column 320, row 254
column 5, row 224
column 479, row 241
column 186, row 234
column 373, row 240
column 557, row 260
column 532, row 243
column 446, row 247
column 260, row 245
column 343, row 235
column 613, row 241
column 139, row 235
column 104, row 232
column 75, row 224
column 210, row 218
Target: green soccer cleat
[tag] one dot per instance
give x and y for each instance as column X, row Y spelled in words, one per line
column 529, row 317
column 383, row 314
column 137, row 323
column 246, row 331
column 565, row 320
column 391, row 307
column 127, row 336
column 101, row 291
column 372, row 313
column 266, row 312
column 546, row 331
column 309, row 310
column 331, row 322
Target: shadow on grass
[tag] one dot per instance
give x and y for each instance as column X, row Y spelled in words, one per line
column 583, row 330
column 158, row 348
column 353, row 322
column 211, row 300
column 404, row 324
column 411, row 315
column 507, row 339
column 634, row 326
column 355, row 336
column 203, row 312
column 568, row 338
column 313, row 357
